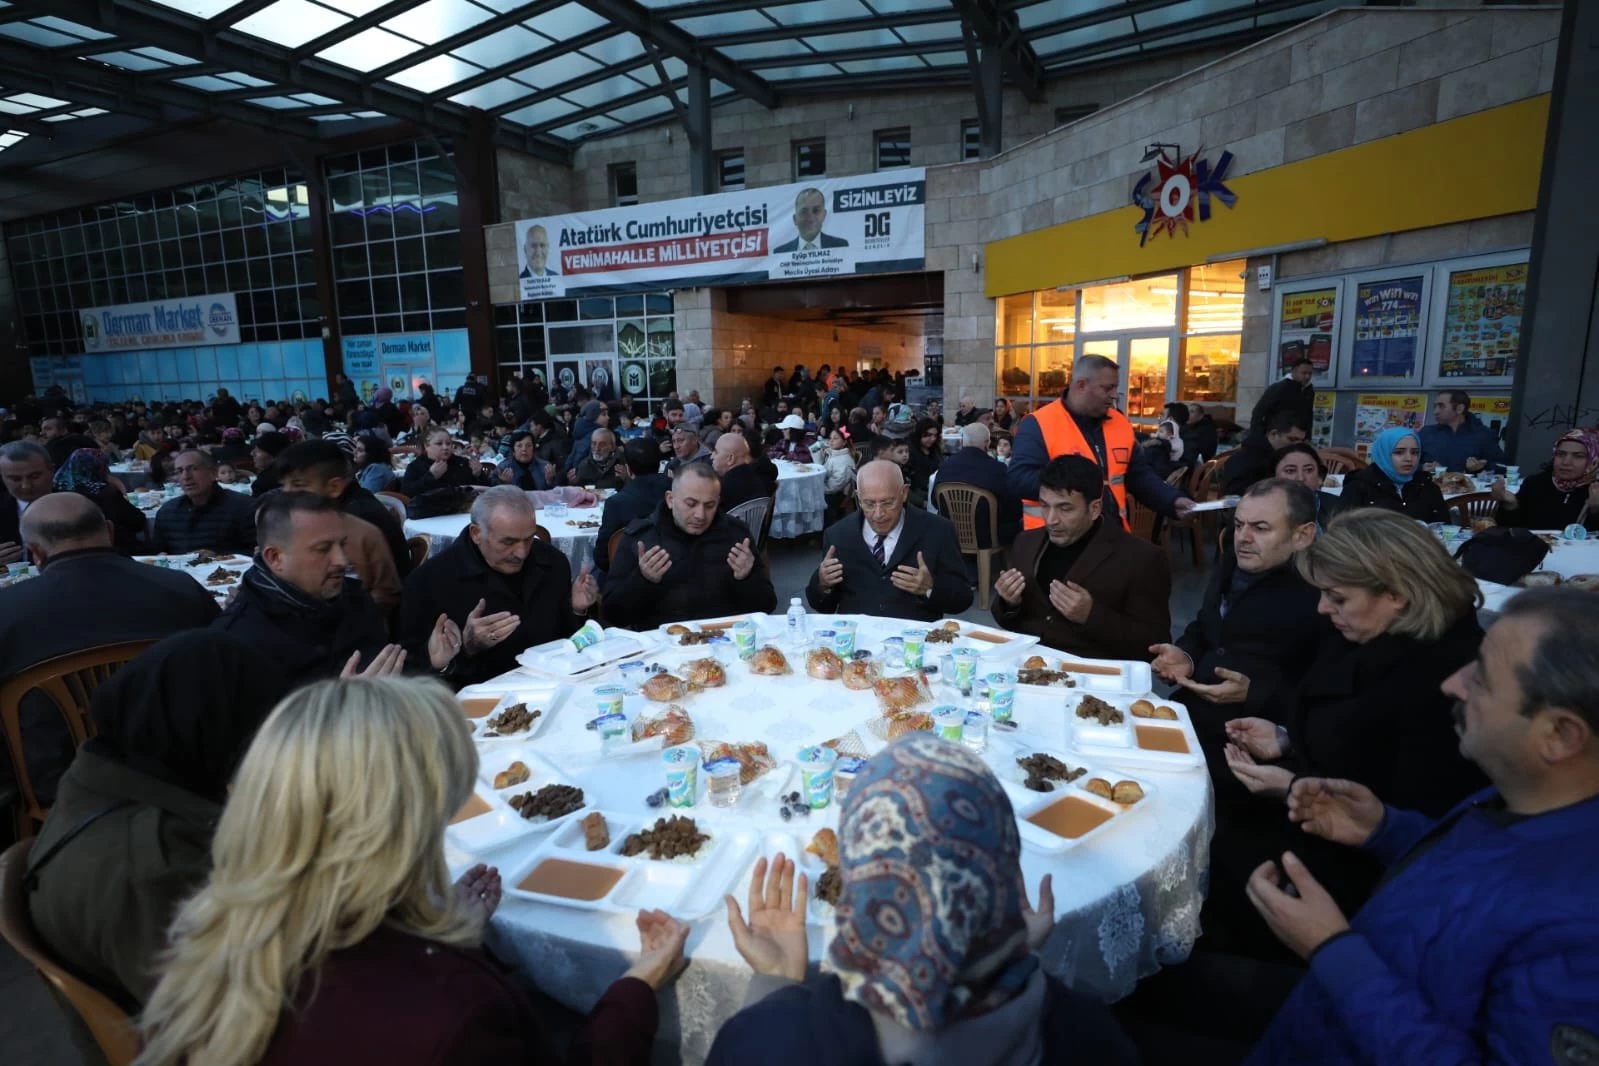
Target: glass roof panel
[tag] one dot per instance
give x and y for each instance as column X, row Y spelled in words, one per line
column 86, row 112
column 246, row 80
column 172, row 58
column 765, row 50
column 817, row 11
column 10, row 137
column 209, row 84
column 656, row 105
column 434, row 74
column 589, row 126
column 1295, row 13
column 315, row 99
column 811, row 70
column 434, row 20
column 1200, row 35
column 543, row 111
column 837, row 42
column 27, row 31
column 945, row 59
column 603, row 91
column 130, row 61
column 875, row 66
column 1088, row 35
column 369, row 49
column 50, row 22
column 202, row 8
column 501, row 47
column 37, row 100
column 493, row 94
column 728, row 22
column 557, row 70
column 931, row 31
column 1165, row 16
column 616, row 50
column 277, row 103
column 896, row 7
column 355, row 7
column 566, row 21
column 1037, row 13
column 291, row 23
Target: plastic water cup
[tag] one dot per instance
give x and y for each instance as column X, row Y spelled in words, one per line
column 633, row 675
column 817, row 765
column 825, row 638
column 844, row 639
column 915, row 643
column 555, row 510
column 722, row 785
column 965, row 662
column 974, row 731
column 1575, row 531
column 1002, row 695
column 608, row 699
column 744, row 635
column 682, row 766
column 948, row 721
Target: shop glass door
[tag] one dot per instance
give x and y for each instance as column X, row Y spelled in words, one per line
column 1145, row 362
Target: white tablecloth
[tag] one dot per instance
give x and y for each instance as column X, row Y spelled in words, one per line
column 574, row 541
column 800, row 503
column 1128, row 902
column 132, row 474
column 150, row 501
column 237, row 565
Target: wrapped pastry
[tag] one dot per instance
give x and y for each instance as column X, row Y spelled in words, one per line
column 674, row 724
column 824, row 664
column 768, row 661
column 753, row 758
column 859, row 674
column 901, row 693
column 909, row 722
column 664, row 688
column 706, row 673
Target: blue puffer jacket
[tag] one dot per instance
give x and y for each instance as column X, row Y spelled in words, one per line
column 1483, row 948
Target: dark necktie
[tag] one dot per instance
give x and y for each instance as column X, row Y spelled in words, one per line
column 877, row 550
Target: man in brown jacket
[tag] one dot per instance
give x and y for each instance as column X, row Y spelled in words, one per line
column 1080, row 584
column 322, row 467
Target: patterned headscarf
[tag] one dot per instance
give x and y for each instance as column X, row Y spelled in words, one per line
column 84, row 471
column 1589, row 439
column 930, row 923
column 1382, row 452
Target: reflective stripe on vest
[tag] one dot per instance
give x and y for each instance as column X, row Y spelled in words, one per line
column 1062, row 437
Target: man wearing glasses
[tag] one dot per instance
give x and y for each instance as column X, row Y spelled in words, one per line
column 887, row 559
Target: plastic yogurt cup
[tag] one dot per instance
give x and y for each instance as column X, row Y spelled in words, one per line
column 915, row 641
column 744, row 635
column 608, row 699
column 591, row 633
column 844, row 772
column 948, row 721
column 1001, row 695
column 682, row 765
column 816, row 765
column 612, row 730
column 965, row 660
column 844, row 639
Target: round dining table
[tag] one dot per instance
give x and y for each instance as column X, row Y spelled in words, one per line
column 1127, row 899
column 572, row 533
column 800, row 504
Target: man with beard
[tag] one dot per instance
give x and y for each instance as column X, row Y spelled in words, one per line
column 599, row 466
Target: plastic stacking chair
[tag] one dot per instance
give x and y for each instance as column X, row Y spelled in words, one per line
column 1467, row 509
column 1341, row 460
column 756, row 515
column 419, row 546
column 958, row 502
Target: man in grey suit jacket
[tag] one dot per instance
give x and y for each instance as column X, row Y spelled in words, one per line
column 888, row 559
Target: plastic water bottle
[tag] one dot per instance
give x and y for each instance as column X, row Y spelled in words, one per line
column 797, row 635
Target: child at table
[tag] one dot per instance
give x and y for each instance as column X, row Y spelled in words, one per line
column 626, row 429
column 228, row 474
column 1002, row 447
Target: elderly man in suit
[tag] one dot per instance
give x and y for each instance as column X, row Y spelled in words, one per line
column 1080, row 583
column 888, row 559
column 972, row 465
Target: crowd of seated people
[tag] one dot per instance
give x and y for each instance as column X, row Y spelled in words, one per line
column 1365, row 740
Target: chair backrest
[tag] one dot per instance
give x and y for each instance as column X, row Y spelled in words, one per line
column 1341, row 460
column 68, row 682
column 611, row 546
column 1176, row 477
column 957, row 501
column 1140, row 519
column 419, row 546
column 395, row 502
column 1467, row 509
column 110, row 1026
column 756, row 515
column 1204, row 485
column 541, row 533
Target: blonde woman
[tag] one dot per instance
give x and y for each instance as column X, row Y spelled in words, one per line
column 328, row 930
column 1369, row 708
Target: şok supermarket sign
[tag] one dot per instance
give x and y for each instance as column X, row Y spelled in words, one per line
column 873, row 223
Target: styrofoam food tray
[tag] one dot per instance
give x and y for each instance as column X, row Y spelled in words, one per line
column 538, row 696
column 555, row 658
column 502, row 824
column 1131, row 679
column 1087, row 734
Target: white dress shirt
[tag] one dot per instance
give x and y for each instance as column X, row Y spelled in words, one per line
column 889, row 540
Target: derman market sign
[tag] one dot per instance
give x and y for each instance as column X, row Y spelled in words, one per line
column 1178, row 187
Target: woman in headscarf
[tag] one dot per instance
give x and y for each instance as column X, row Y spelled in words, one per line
column 1564, row 493
column 1395, row 480
column 129, row 837
column 85, row 472
column 933, row 960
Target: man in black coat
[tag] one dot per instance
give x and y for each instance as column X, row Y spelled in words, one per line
column 207, row 515
column 741, row 479
column 1293, row 394
column 688, row 560
column 643, row 493
column 1256, row 458
column 1200, row 439
column 503, row 588
column 888, row 559
column 1258, row 628
column 86, row 595
column 297, row 608
column 972, row 465
column 25, row 471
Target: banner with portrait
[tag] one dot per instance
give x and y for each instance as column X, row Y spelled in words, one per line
column 830, row 227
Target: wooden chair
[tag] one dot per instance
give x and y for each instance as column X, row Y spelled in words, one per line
column 419, row 545
column 756, row 514
column 1342, row 460
column 957, row 501
column 1161, row 532
column 1467, row 509
column 611, row 546
column 110, row 1026
column 396, row 504
column 68, row 682
column 542, row 533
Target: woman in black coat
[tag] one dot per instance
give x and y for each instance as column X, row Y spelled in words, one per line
column 438, row 467
column 1565, row 493
column 1395, row 481
column 1369, row 709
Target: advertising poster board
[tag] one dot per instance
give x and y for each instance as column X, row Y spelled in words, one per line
column 1375, row 412
column 1308, row 320
column 1387, row 327
column 1482, row 322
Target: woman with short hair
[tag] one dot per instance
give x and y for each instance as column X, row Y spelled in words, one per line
column 329, row 930
column 1303, row 463
column 1369, row 709
column 438, row 467
column 374, row 463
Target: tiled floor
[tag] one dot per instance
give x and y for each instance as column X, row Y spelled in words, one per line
column 32, row 1031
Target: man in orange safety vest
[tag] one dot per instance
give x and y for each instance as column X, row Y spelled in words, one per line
column 1084, row 422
